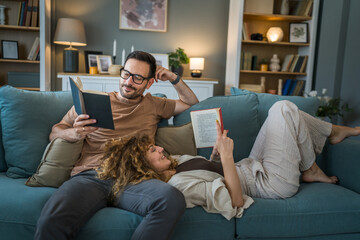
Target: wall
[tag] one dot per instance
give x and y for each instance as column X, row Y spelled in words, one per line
column 338, row 55
column 200, row 27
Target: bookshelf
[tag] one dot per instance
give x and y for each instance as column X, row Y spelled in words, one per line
column 260, row 23
column 25, row 36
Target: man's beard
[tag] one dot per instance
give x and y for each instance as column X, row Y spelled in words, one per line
column 135, row 94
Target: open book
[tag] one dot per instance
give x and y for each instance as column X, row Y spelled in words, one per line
column 204, row 126
column 96, row 104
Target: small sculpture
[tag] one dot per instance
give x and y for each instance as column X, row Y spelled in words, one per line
column 274, row 63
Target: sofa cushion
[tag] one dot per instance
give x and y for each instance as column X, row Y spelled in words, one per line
column 3, row 166
column 56, row 164
column 176, row 140
column 27, row 118
column 240, row 117
column 318, row 209
column 308, row 105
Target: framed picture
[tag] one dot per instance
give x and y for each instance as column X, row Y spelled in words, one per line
column 161, row 59
column 90, row 59
column 143, row 15
column 103, row 63
column 298, row 32
column 9, row 49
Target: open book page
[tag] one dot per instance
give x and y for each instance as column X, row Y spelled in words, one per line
column 204, row 126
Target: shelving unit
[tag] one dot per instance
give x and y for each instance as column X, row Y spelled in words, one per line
column 260, row 23
column 25, row 37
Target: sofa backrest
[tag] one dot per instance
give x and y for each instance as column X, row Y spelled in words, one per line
column 240, row 117
column 308, row 105
column 26, row 119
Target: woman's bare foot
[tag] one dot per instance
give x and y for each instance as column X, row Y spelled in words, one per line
column 315, row 174
column 339, row 133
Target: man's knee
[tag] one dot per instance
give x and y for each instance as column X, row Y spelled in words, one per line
column 170, row 199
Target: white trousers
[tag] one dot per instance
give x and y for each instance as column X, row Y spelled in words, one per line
column 286, row 145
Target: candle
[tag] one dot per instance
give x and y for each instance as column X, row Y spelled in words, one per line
column 123, row 57
column 114, row 48
column 132, row 48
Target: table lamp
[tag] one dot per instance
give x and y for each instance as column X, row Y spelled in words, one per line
column 71, row 32
column 196, row 65
column 275, row 34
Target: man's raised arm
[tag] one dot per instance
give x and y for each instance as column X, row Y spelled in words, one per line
column 187, row 97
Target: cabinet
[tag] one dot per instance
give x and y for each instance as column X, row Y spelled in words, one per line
column 25, row 37
column 260, row 23
column 202, row 87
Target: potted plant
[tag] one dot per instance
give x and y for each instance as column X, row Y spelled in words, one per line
column 329, row 107
column 176, row 59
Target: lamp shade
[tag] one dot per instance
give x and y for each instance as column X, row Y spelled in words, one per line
column 197, row 63
column 275, row 34
column 70, row 31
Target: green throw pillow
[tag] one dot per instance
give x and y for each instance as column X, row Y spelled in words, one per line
column 177, row 140
column 56, row 164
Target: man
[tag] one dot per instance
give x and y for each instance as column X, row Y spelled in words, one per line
column 79, row 198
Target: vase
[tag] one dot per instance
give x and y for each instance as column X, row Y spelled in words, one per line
column 179, row 70
column 275, row 63
column 284, row 10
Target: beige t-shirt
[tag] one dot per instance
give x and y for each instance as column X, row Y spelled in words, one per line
column 131, row 117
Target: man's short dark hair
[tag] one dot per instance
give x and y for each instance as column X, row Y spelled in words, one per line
column 145, row 57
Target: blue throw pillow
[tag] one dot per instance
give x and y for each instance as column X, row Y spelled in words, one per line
column 240, row 117
column 27, row 118
column 308, row 105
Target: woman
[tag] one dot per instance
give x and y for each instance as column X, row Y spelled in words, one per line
column 285, row 148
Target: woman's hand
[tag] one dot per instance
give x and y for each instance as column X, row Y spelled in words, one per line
column 224, row 145
column 81, row 128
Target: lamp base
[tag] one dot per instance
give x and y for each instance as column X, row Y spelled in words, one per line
column 71, row 60
column 196, row 73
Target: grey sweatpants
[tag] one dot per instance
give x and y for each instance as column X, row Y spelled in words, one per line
column 286, row 145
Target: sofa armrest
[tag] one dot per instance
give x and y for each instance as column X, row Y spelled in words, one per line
column 343, row 161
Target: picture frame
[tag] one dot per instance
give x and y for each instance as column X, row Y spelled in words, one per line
column 90, row 59
column 143, row 15
column 9, row 49
column 103, row 63
column 161, row 59
column 298, row 33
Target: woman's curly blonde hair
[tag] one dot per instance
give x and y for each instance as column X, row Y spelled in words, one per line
column 125, row 161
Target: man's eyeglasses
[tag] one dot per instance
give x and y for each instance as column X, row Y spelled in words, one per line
column 138, row 79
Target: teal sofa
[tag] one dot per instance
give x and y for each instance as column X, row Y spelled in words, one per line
column 317, row 211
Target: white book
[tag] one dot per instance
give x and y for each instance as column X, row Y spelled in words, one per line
column 204, row 126
column 33, row 48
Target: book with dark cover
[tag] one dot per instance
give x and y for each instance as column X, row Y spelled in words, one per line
column 292, row 87
column 299, row 64
column 93, row 103
column 286, row 87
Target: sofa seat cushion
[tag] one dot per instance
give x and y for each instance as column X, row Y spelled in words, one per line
column 308, row 105
column 240, row 117
column 317, row 209
column 26, row 119
column 20, row 207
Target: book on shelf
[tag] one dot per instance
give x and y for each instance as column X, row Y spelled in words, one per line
column 254, row 63
column 245, row 31
column 33, row 49
column 96, row 104
column 35, row 13
column 303, row 66
column 286, row 87
column 287, row 62
column 204, row 126
column 293, row 63
column 292, row 87
column 247, row 60
column 298, row 88
column 28, row 13
column 299, row 63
